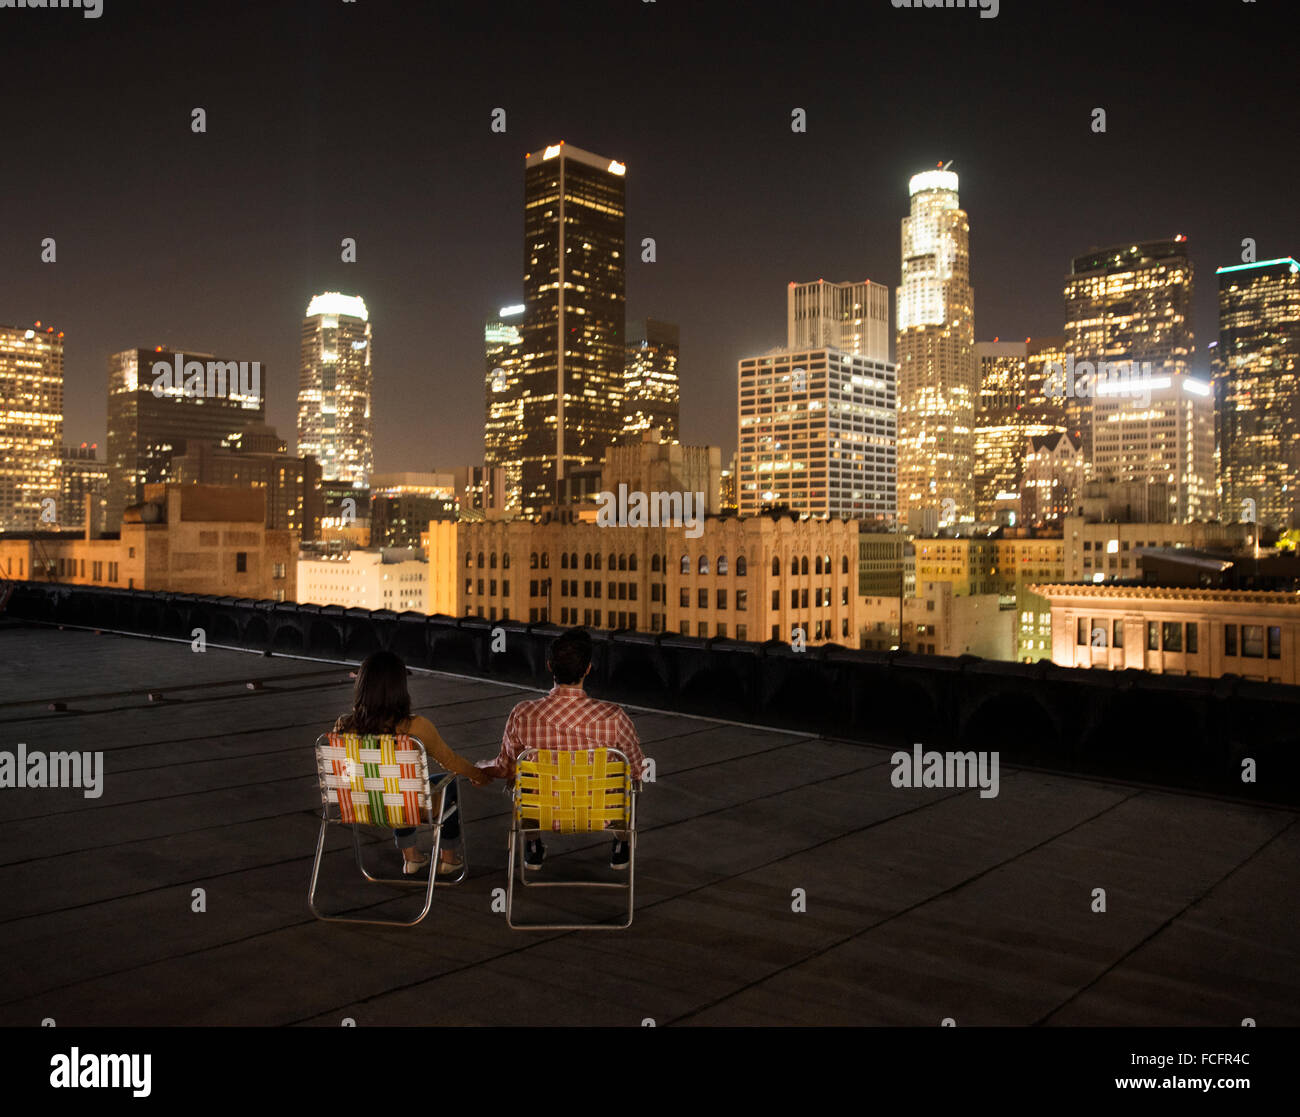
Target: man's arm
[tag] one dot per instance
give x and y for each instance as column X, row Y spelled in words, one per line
column 503, row 764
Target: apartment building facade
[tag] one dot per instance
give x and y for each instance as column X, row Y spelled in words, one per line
column 757, row 578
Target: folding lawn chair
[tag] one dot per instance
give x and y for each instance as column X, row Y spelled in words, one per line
column 381, row 780
column 572, row 792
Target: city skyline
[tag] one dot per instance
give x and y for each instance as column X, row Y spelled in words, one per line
column 728, row 241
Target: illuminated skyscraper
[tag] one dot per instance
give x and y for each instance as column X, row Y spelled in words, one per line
column 572, row 353
column 334, row 386
column 1128, row 303
column 651, row 391
column 153, row 417
column 31, row 426
column 1008, row 416
column 1039, row 352
column 1257, row 384
column 817, row 434
column 853, row 317
column 84, row 475
column 937, row 376
column 1158, row 432
column 503, row 432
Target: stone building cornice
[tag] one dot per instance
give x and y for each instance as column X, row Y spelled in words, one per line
column 1063, row 592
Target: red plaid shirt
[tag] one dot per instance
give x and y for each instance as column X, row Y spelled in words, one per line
column 566, row 719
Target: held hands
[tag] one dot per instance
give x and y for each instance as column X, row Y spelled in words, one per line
column 479, row 777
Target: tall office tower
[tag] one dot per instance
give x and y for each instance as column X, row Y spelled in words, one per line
column 1257, row 386
column 1158, row 432
column 1005, row 419
column 31, row 426
column 572, row 347
column 818, row 430
column 1128, row 303
column 1039, row 353
column 651, row 388
column 503, row 426
column 334, row 385
column 937, row 377
column 84, row 475
column 853, row 317
column 153, row 416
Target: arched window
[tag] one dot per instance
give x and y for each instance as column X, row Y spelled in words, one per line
column 573, row 560
column 597, row 560
column 686, row 564
column 703, row 565
column 492, row 561
column 776, row 565
column 722, row 564
column 505, row 560
column 532, row 560
column 794, row 565
column 631, row 562
column 826, row 564
column 469, row 559
column 844, row 564
column 480, row 560
column 564, row 560
column 804, row 565
column 586, row 561
column 817, row 568
column 622, row 562
column 742, row 567
column 613, row 562
column 546, row 560
column 654, row 563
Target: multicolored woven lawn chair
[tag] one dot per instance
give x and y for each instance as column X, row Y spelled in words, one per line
column 572, row 792
column 381, row 781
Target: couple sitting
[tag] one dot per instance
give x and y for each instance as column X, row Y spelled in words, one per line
column 566, row 719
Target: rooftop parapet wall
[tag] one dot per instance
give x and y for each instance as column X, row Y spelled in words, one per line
column 1178, row 732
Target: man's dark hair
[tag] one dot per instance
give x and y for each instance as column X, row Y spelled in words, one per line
column 570, row 656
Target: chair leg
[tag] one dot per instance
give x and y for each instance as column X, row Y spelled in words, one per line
column 631, row 877
column 396, row 882
column 315, row 875
column 516, row 837
column 510, row 878
column 315, row 871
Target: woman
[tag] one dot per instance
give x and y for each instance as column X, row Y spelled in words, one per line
column 381, row 704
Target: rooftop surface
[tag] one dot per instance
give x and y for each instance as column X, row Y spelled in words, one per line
column 921, row 904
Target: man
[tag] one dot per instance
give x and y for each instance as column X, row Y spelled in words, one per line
column 568, row 719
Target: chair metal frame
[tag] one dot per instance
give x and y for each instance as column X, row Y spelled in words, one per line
column 435, row 792
column 520, row 833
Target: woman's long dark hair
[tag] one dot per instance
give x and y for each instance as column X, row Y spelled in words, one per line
column 380, row 699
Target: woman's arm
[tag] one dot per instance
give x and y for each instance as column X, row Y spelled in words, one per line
column 443, row 753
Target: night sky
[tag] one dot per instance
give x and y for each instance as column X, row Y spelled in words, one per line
column 328, row 119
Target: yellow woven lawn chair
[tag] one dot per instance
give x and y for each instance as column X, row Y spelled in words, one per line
column 572, row 792
column 381, row 781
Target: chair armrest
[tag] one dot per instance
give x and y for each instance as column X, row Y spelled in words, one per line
column 439, row 781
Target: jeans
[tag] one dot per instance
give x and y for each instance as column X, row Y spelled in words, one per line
column 405, row 837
